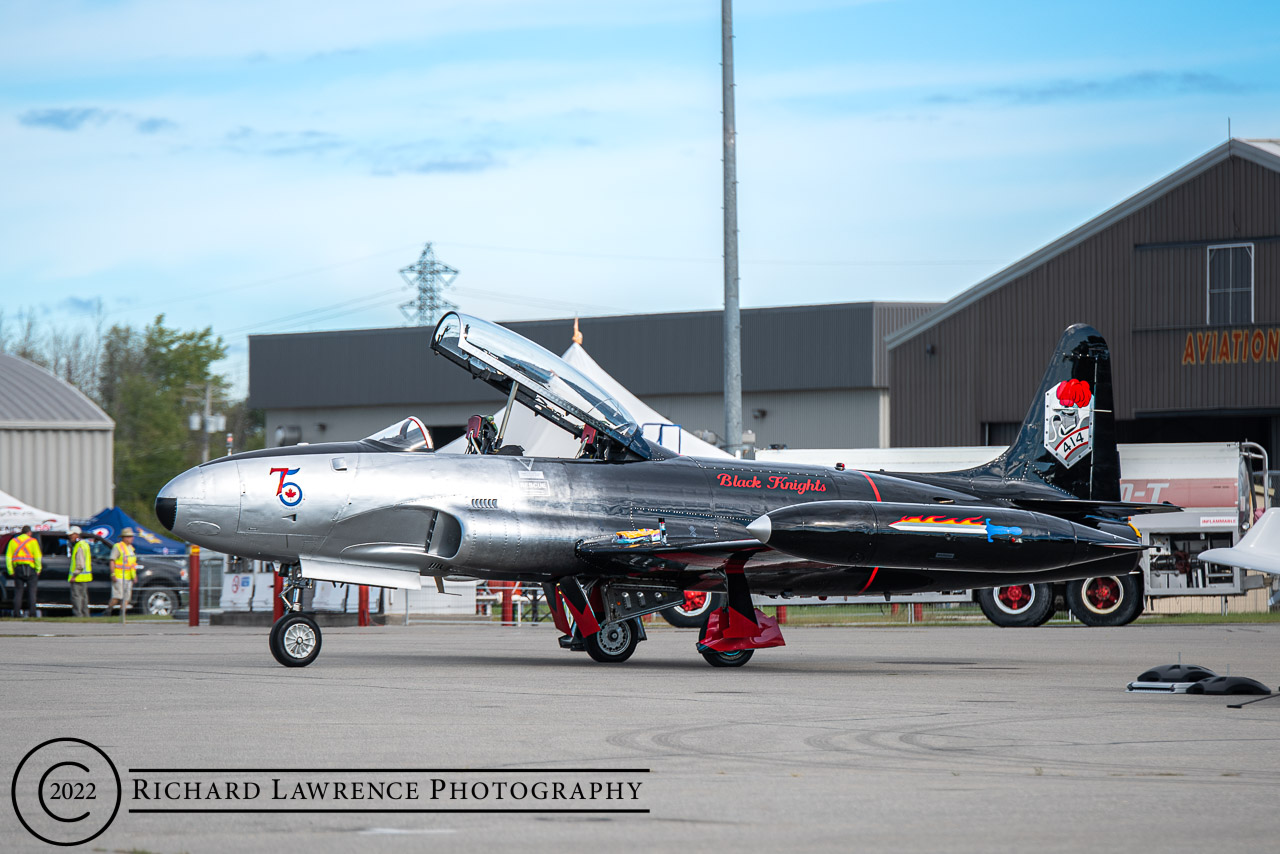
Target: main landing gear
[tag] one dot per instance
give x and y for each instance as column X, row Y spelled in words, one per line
column 295, row 637
column 615, row 642
column 602, row 619
column 727, row 659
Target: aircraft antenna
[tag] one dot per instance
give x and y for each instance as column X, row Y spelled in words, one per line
column 429, row 278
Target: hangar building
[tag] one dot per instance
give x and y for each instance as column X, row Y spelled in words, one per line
column 1183, row 279
column 55, row 443
column 812, row 376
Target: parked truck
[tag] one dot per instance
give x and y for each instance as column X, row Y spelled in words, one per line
column 1222, row 487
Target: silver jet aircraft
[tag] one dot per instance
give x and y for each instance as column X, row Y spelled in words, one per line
column 628, row 526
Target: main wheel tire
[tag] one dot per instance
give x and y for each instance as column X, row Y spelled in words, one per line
column 727, row 659
column 295, row 640
column 615, row 642
column 693, row 613
column 1017, row 605
column 158, row 601
column 1108, row 600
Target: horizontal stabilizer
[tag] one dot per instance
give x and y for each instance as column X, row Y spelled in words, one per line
column 1076, row 509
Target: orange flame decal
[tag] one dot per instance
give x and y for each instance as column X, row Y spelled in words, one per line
column 941, row 520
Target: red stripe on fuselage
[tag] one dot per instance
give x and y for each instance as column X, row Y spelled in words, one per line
column 877, row 493
column 873, row 484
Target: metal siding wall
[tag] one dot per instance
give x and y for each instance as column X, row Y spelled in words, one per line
column 888, row 318
column 793, row 347
column 991, row 355
column 842, row 418
column 62, row 471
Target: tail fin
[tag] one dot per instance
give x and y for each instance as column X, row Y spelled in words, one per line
column 1068, row 439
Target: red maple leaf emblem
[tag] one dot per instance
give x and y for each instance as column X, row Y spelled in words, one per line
column 290, row 492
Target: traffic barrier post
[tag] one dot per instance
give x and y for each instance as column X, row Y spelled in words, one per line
column 193, row 591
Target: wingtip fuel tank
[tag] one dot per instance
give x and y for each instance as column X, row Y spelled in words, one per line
column 928, row 536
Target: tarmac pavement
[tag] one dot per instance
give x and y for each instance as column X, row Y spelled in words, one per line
column 913, row 739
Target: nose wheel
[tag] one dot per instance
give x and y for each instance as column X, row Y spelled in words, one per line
column 295, row 637
column 295, row 640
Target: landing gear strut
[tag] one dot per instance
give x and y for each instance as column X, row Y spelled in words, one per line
column 295, row 637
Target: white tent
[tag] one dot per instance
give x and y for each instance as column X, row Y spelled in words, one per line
column 14, row 514
column 541, row 438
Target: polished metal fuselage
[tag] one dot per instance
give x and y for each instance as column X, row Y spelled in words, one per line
column 345, row 512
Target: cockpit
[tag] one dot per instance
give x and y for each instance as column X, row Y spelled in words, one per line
column 407, row 435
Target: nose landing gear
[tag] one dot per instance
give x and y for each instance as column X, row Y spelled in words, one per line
column 295, row 637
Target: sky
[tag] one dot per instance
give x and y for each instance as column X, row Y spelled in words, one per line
column 269, row 166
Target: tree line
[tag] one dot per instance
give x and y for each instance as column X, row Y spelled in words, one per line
column 148, row 381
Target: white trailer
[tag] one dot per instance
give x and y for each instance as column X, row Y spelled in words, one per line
column 1221, row 486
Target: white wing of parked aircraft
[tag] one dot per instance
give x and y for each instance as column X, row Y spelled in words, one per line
column 1258, row 550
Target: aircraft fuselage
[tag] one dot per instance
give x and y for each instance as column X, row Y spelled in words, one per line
column 408, row 514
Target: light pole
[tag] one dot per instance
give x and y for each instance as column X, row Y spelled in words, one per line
column 732, row 321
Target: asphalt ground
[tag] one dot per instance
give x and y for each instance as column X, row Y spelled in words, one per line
column 912, row 739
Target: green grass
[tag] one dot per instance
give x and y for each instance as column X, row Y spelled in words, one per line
column 1198, row 619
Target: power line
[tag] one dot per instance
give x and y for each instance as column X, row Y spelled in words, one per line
column 315, row 311
column 204, row 293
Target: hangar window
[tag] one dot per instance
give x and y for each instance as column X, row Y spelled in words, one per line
column 1230, row 284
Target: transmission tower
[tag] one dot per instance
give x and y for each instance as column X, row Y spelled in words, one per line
column 429, row 278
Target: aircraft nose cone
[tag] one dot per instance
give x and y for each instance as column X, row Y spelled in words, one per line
column 166, row 511
column 761, row 528
column 186, row 486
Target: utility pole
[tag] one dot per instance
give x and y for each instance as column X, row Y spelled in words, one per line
column 429, row 278
column 205, row 423
column 732, row 320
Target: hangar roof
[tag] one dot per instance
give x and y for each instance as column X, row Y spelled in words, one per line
column 1264, row 152
column 32, row 398
column 786, row 348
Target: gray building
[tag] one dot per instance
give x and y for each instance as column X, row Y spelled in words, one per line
column 55, row 443
column 812, row 376
column 1183, row 279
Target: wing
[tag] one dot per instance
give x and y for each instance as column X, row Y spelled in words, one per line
column 687, row 555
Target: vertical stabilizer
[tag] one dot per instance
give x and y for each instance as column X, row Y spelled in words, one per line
column 1068, row 439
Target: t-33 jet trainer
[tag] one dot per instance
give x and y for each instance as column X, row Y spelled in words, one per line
column 628, row 526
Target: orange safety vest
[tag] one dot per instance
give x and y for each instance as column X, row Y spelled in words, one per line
column 23, row 548
column 81, row 568
column 124, row 562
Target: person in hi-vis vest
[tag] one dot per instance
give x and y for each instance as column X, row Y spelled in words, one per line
column 22, row 563
column 80, row 573
column 124, row 571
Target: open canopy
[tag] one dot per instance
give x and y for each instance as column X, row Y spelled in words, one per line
column 539, row 379
column 110, row 522
column 541, row 438
column 14, row 514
